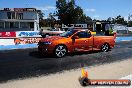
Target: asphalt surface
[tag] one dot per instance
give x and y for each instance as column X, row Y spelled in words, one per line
column 19, row 64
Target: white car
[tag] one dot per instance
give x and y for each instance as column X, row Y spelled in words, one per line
column 51, row 32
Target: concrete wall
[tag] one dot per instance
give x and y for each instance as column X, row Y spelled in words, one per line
column 11, row 45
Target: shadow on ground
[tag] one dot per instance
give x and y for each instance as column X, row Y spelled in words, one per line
column 36, row 54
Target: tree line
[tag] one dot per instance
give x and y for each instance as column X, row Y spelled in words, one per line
column 68, row 12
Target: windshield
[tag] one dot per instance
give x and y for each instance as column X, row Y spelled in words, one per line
column 68, row 33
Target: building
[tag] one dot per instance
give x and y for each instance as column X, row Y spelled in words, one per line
column 120, row 29
column 19, row 19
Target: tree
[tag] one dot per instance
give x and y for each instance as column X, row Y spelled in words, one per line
column 113, row 20
column 120, row 20
column 41, row 20
column 41, row 14
column 51, row 20
column 62, row 8
column 48, row 22
column 69, row 13
column 130, row 23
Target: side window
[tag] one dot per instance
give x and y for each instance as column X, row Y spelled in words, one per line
column 83, row 34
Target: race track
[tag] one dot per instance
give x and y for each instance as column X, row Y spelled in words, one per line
column 23, row 63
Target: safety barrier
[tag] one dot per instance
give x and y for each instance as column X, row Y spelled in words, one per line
column 24, row 46
column 28, row 39
column 119, row 39
column 9, row 47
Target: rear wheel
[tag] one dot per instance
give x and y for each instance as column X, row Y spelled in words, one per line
column 60, row 51
column 84, row 81
column 105, row 47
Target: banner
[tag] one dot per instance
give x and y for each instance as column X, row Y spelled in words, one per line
column 28, row 34
column 26, row 40
column 85, row 26
column 7, row 42
column 7, row 34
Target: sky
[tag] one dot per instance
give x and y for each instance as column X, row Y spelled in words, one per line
column 96, row 9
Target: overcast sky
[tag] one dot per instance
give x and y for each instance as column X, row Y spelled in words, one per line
column 100, row 9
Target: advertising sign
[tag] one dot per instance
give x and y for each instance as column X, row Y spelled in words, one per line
column 75, row 26
column 26, row 40
column 28, row 34
column 7, row 34
column 7, row 42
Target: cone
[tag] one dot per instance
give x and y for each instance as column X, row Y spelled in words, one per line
column 84, row 80
column 84, row 73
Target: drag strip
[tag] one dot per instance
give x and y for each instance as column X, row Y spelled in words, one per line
column 23, row 63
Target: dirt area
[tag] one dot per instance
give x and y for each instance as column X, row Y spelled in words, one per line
column 69, row 79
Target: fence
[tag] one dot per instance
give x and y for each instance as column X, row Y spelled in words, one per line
column 19, row 37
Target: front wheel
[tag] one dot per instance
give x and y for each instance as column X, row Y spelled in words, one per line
column 105, row 47
column 60, row 51
column 46, row 35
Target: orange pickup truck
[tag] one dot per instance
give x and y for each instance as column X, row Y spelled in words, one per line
column 76, row 40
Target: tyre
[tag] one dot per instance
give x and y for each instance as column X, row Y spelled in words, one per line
column 84, row 81
column 46, row 35
column 60, row 51
column 105, row 47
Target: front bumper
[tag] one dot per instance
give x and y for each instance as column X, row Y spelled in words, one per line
column 45, row 49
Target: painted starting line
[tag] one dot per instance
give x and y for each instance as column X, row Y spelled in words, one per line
column 24, row 46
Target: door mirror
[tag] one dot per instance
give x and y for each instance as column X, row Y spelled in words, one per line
column 75, row 37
